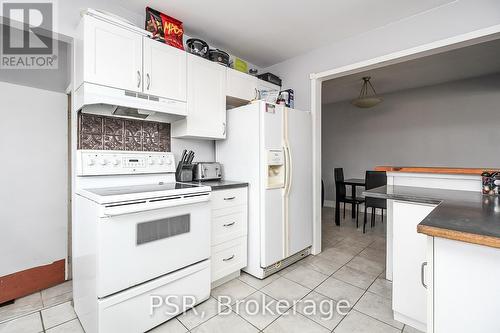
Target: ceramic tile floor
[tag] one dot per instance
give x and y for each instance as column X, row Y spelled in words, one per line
column 351, row 267
column 48, row 311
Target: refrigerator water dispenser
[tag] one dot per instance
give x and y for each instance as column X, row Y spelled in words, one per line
column 275, row 168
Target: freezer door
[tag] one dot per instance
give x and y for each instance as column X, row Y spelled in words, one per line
column 299, row 228
column 272, row 223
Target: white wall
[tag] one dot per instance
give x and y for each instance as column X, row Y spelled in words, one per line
column 48, row 79
column 443, row 22
column 456, row 124
column 33, row 177
column 69, row 13
column 204, row 149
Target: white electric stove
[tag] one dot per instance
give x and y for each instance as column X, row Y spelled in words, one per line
column 137, row 234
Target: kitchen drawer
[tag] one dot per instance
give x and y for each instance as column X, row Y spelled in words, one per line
column 228, row 227
column 228, row 257
column 114, row 312
column 229, row 211
column 229, row 198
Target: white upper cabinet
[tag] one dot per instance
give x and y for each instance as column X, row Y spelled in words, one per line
column 240, row 85
column 245, row 87
column 206, row 99
column 264, row 85
column 165, row 70
column 126, row 58
column 112, row 55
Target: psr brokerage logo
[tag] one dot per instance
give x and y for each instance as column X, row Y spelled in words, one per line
column 28, row 35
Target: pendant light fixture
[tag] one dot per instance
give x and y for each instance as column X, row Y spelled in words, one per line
column 366, row 98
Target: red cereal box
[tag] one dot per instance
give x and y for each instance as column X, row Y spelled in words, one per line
column 164, row 28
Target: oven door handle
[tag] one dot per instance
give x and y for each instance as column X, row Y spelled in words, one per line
column 153, row 204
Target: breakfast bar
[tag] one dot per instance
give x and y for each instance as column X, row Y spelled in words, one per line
column 459, row 215
column 442, row 235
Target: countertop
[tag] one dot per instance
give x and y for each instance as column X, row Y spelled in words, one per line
column 221, row 184
column 439, row 170
column 466, row 216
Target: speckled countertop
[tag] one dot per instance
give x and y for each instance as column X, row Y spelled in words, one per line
column 221, row 184
column 460, row 215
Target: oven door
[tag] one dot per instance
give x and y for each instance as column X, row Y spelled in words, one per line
column 139, row 246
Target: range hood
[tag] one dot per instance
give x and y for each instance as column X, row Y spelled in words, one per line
column 107, row 101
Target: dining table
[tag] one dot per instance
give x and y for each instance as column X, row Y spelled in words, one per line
column 353, row 182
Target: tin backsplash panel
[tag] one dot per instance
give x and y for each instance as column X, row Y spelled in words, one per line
column 111, row 133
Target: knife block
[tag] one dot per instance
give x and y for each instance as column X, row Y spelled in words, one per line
column 184, row 172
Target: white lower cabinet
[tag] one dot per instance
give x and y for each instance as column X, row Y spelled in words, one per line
column 463, row 282
column 409, row 299
column 229, row 257
column 229, row 232
column 230, row 226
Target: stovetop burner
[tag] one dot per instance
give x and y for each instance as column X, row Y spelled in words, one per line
column 142, row 191
column 146, row 188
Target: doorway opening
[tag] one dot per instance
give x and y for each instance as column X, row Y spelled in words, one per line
column 417, row 81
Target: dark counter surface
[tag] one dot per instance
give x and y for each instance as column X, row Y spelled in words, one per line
column 460, row 215
column 221, row 184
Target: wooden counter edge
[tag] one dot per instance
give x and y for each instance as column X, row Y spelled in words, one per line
column 460, row 236
column 438, row 170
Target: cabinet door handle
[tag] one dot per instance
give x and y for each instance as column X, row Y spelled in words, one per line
column 230, row 258
column 148, row 82
column 230, row 198
column 229, row 224
column 223, row 128
column 422, row 274
column 138, row 79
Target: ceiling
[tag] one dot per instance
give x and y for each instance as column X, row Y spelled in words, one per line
column 468, row 62
column 268, row 32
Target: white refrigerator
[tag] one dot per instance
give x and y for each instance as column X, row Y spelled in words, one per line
column 270, row 147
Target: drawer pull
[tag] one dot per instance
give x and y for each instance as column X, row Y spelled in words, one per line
column 422, row 274
column 229, row 224
column 138, row 79
column 230, row 258
column 230, row 198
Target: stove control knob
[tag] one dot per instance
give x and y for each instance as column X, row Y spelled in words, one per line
column 161, row 161
column 169, row 161
column 116, row 162
column 151, row 162
column 104, row 162
column 91, row 162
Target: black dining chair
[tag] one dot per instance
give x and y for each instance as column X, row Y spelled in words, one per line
column 374, row 179
column 341, row 194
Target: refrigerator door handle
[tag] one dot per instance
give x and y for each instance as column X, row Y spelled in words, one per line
column 286, row 194
column 288, row 169
column 285, row 153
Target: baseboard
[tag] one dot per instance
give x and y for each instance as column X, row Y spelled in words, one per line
column 225, row 279
column 410, row 321
column 331, row 204
column 31, row 280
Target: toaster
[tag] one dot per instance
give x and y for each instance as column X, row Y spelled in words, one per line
column 207, row 171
